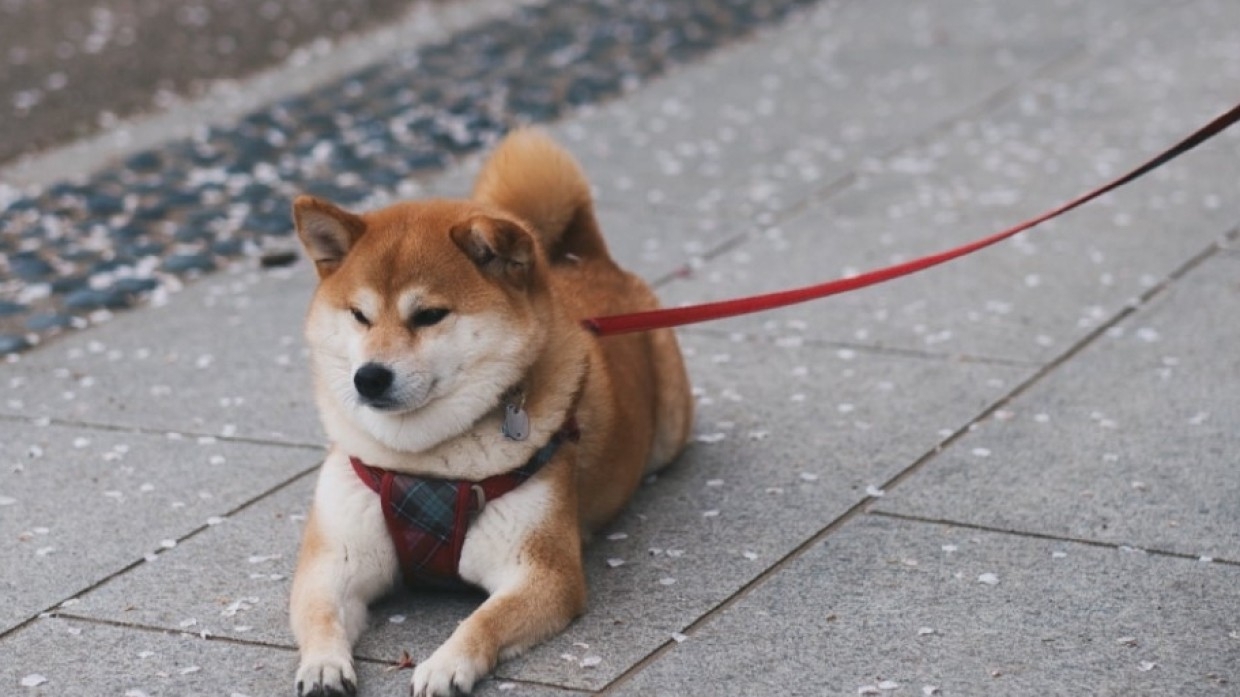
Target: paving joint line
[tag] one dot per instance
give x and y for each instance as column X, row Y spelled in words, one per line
column 1080, row 345
column 737, row 596
column 983, row 105
column 1033, row 534
column 862, row 506
column 754, row 337
column 693, row 266
column 148, row 431
column 547, row 685
column 51, row 610
column 690, row 267
column 846, row 180
column 1067, row 61
column 170, row 631
column 257, row 643
column 141, row 626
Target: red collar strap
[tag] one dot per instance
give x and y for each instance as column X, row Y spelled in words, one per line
column 428, row 517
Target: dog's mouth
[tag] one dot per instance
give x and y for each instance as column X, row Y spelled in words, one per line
column 383, row 404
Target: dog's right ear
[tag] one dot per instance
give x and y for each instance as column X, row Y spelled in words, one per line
column 501, row 248
column 327, row 232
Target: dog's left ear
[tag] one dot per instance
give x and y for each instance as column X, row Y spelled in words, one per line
column 327, row 232
column 501, row 248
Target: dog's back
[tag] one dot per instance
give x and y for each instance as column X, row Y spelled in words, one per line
column 646, row 389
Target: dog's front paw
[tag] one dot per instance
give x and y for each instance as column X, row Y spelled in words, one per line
column 326, row 677
column 447, row 672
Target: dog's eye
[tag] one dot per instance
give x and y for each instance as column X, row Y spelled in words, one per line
column 428, row 317
column 357, row 315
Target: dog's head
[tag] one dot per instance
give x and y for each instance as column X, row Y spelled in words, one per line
column 425, row 314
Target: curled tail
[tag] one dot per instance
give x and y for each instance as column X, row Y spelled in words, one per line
column 532, row 177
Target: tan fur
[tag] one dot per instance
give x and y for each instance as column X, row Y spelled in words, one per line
column 517, row 266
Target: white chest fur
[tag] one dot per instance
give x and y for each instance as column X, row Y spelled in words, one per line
column 492, row 555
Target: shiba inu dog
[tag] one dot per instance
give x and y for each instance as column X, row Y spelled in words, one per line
column 479, row 433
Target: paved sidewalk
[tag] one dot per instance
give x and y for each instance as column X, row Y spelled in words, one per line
column 1014, row 475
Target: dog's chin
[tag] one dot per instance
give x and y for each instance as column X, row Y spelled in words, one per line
column 385, row 406
column 395, row 407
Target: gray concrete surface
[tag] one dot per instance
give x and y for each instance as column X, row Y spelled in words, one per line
column 1014, row 475
column 1069, row 459
column 130, row 495
column 892, row 607
column 254, row 388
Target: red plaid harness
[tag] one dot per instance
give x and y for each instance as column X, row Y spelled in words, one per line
column 428, row 517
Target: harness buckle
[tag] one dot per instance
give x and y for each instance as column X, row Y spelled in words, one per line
column 480, row 496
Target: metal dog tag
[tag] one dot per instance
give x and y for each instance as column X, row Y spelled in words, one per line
column 516, row 423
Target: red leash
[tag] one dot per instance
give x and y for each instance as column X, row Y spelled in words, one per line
column 677, row 316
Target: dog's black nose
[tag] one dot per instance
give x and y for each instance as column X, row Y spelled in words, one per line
column 372, row 380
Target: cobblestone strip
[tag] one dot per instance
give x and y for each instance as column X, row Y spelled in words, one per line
column 74, row 252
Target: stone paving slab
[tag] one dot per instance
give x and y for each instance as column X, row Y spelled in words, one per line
column 1132, row 442
column 252, row 556
column 657, row 244
column 223, row 357
column 759, row 127
column 755, row 147
column 76, row 657
column 789, row 439
column 85, row 658
column 886, row 607
column 81, row 504
column 1030, row 298
column 756, row 130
